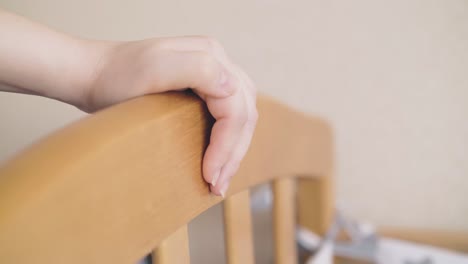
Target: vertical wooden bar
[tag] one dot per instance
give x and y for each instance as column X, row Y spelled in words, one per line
column 284, row 221
column 238, row 233
column 316, row 203
column 174, row 250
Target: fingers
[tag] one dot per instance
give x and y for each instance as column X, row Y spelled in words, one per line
column 235, row 110
column 238, row 152
column 230, row 114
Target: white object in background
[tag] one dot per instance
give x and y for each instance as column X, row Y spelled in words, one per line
column 392, row 251
column 365, row 244
column 324, row 255
column 307, row 239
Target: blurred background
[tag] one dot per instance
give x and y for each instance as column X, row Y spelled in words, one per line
column 390, row 76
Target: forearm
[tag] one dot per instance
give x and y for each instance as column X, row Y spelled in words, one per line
column 37, row 60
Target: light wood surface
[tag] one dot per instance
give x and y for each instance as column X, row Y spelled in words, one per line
column 238, row 233
column 284, row 221
column 316, row 203
column 112, row 186
column 174, row 249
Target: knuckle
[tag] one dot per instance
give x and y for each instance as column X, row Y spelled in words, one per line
column 212, row 44
column 241, row 117
column 208, row 67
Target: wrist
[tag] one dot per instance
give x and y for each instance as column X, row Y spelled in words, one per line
column 98, row 54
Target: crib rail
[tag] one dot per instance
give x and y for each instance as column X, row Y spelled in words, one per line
column 115, row 185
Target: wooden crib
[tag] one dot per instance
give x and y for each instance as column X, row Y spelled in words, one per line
column 126, row 181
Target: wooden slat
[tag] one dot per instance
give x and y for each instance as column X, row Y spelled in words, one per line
column 173, row 250
column 238, row 229
column 284, row 219
column 316, row 204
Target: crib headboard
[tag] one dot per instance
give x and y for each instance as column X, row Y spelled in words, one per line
column 117, row 184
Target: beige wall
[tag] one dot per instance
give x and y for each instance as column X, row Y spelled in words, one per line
column 391, row 76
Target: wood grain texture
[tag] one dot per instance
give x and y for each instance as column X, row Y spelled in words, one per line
column 174, row 249
column 112, row 186
column 238, row 233
column 284, row 221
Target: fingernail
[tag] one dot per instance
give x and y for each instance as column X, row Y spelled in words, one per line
column 224, row 189
column 215, row 178
column 212, row 192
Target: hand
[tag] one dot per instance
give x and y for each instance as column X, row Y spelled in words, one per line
column 93, row 74
column 131, row 69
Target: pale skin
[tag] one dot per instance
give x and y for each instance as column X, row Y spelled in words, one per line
column 92, row 75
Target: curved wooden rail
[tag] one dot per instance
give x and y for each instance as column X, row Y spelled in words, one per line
column 112, row 186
